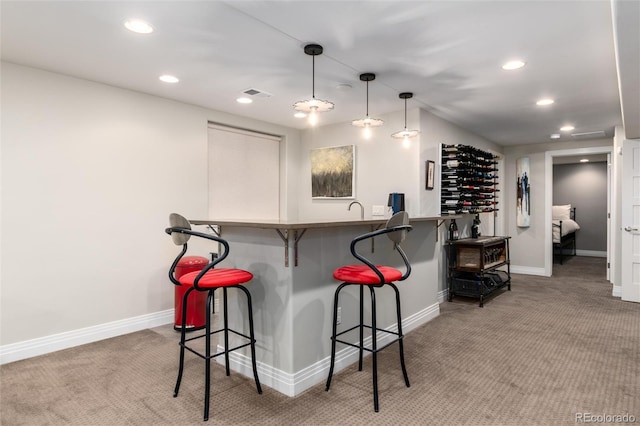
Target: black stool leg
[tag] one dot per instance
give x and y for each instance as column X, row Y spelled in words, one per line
column 400, row 335
column 374, row 348
column 207, row 360
column 361, row 350
column 226, row 331
column 183, row 333
column 333, row 334
column 253, row 340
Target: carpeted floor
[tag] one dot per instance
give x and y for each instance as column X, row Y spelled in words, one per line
column 546, row 352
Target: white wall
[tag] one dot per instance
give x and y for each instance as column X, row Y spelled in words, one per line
column 90, row 174
column 528, row 244
column 383, row 165
column 437, row 131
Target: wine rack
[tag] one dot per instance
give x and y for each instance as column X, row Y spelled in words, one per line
column 469, row 181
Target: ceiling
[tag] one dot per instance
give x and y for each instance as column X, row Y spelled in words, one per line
column 573, row 159
column 448, row 53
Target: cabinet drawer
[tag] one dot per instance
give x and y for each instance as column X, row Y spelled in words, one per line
column 469, row 257
column 479, row 258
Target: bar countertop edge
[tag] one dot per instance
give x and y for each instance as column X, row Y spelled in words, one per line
column 283, row 224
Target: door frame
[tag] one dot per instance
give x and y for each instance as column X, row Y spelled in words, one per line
column 548, row 202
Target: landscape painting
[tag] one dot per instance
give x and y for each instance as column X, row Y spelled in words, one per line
column 333, row 172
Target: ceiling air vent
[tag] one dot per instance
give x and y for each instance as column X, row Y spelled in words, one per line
column 598, row 134
column 257, row 93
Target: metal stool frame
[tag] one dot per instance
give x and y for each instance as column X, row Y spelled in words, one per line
column 207, row 356
column 374, row 349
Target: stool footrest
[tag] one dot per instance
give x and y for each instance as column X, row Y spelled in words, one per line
column 397, row 339
column 217, row 331
column 203, row 356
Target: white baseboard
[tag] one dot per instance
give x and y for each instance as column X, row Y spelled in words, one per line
column 296, row 383
column 527, row 270
column 44, row 345
column 443, row 295
column 591, row 253
column 616, row 291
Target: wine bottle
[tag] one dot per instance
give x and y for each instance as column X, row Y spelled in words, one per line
column 453, row 230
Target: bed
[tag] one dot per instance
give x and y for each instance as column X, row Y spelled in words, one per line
column 564, row 227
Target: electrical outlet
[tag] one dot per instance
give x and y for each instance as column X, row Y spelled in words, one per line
column 377, row 210
column 339, row 316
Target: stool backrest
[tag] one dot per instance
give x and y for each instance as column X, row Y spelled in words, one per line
column 180, row 231
column 178, row 221
column 396, row 229
column 398, row 219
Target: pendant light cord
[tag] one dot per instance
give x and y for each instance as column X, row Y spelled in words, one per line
column 313, row 76
column 405, row 114
column 367, row 99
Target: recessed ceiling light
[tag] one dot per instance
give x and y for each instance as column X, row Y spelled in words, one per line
column 138, row 26
column 555, row 136
column 545, row 102
column 299, row 115
column 168, row 78
column 244, row 100
column 584, row 160
column 513, row 65
column 566, row 128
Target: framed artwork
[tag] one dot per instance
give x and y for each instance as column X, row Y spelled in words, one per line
column 430, row 174
column 523, row 191
column 333, row 172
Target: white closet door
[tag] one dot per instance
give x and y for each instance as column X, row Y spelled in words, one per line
column 244, row 170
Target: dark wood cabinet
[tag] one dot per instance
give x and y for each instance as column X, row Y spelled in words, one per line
column 477, row 267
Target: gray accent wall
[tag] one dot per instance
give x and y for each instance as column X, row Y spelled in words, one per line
column 584, row 186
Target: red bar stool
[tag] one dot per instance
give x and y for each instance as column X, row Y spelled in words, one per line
column 373, row 276
column 208, row 280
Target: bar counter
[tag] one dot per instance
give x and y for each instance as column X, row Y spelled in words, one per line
column 293, row 305
column 283, row 227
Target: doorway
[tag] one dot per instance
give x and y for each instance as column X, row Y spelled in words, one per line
column 558, row 155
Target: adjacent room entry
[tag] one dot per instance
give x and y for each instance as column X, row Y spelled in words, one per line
column 244, row 174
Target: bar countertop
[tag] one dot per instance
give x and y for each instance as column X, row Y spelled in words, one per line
column 298, row 228
column 298, row 225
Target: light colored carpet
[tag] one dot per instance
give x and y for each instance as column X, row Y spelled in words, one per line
column 540, row 354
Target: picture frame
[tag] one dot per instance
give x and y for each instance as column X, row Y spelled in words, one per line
column 430, row 174
column 333, row 172
column 523, row 191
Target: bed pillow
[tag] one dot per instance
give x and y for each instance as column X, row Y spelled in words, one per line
column 562, row 212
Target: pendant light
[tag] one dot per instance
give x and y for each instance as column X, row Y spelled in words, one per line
column 405, row 134
column 313, row 106
column 367, row 122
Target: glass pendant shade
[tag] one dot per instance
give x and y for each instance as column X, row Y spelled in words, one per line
column 313, row 106
column 405, row 133
column 367, row 122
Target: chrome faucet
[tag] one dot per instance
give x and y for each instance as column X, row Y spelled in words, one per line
column 361, row 208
